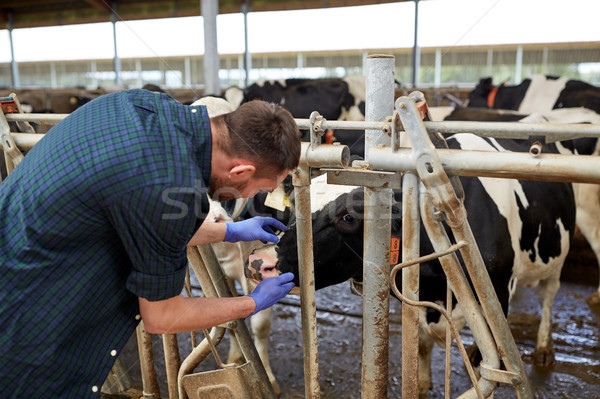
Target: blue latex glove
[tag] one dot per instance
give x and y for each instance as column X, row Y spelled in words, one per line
column 256, row 228
column 271, row 290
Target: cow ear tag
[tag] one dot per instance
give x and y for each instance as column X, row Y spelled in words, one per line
column 278, row 199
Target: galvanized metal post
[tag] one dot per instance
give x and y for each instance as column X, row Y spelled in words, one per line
column 14, row 67
column 301, row 181
column 410, row 285
column 377, row 229
column 117, row 61
column 247, row 56
column 210, row 10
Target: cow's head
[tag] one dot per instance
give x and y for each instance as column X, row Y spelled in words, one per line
column 479, row 96
column 337, row 241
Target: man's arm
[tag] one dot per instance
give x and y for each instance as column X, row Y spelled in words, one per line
column 181, row 314
column 208, row 233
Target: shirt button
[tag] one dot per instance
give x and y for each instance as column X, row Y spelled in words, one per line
column 137, row 317
column 194, row 110
column 113, row 352
column 94, row 388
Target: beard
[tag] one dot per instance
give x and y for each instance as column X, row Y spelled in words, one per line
column 223, row 190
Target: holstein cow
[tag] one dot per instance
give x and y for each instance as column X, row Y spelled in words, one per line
column 523, row 230
column 334, row 98
column 538, row 94
column 587, row 196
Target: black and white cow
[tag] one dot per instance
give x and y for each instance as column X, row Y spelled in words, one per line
column 523, row 237
column 587, row 196
column 334, row 98
column 538, row 94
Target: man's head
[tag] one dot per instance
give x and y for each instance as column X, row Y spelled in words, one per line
column 260, row 142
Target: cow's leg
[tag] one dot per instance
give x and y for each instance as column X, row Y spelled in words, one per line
column 426, row 343
column 544, row 350
column 261, row 326
column 587, row 198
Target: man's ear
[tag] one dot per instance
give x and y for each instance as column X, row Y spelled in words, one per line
column 242, row 172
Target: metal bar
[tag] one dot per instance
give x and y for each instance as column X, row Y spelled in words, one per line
column 377, row 228
column 172, row 363
column 462, row 290
column 210, row 9
column 410, row 285
column 515, row 130
column 308, row 309
column 150, row 386
column 41, row 119
column 511, row 165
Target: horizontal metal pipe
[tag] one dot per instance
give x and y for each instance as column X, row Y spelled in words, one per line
column 325, row 155
column 515, row 130
column 513, row 165
column 348, row 125
column 41, row 119
column 25, row 141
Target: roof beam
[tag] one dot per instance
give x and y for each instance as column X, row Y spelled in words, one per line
column 103, row 5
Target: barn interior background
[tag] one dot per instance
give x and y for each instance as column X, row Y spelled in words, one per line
column 439, row 45
column 47, row 56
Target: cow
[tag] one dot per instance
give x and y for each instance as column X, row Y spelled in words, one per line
column 523, row 237
column 538, row 94
column 334, row 98
column 587, row 196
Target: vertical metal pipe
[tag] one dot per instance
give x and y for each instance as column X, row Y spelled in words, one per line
column 301, row 181
column 519, row 65
column 380, row 97
column 410, row 285
column 377, row 228
column 117, row 60
column 14, row 67
column 172, row 363
column 210, row 10
column 416, row 50
column 247, row 56
column 150, row 386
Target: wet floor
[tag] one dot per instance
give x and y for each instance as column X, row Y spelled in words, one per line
column 576, row 333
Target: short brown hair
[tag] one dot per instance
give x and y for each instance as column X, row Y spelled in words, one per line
column 263, row 133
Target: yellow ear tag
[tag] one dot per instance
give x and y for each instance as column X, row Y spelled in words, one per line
column 278, row 199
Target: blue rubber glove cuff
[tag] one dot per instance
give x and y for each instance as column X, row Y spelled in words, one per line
column 256, row 228
column 271, row 290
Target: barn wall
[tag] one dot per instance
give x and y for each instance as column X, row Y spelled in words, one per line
column 460, row 67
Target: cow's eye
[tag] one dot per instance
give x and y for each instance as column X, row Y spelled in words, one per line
column 348, row 218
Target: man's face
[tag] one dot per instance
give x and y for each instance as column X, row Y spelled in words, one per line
column 225, row 189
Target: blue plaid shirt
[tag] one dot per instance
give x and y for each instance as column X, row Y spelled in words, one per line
column 97, row 214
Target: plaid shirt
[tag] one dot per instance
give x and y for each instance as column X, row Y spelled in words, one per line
column 98, row 213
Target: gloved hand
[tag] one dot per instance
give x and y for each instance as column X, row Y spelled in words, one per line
column 271, row 290
column 256, row 228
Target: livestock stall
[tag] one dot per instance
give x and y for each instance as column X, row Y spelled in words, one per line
column 387, row 161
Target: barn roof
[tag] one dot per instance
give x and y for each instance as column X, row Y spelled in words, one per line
column 34, row 13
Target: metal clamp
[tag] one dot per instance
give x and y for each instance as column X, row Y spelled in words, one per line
column 316, row 129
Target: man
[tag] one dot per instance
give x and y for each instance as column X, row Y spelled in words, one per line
column 94, row 224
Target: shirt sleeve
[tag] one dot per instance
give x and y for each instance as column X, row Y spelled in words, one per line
column 154, row 225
